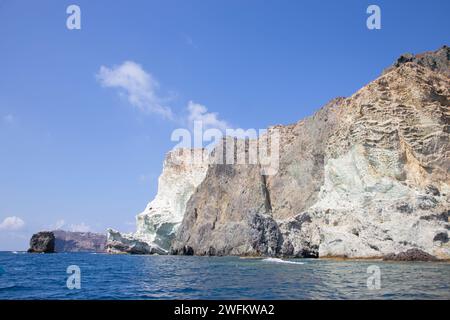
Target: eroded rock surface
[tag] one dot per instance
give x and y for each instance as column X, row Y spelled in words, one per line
column 183, row 171
column 229, row 214
column 125, row 243
column 438, row 60
column 42, row 242
column 410, row 255
column 364, row 177
column 68, row 241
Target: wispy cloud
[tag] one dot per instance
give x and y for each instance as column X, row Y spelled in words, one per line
column 141, row 90
column 59, row 224
column 82, row 227
column 198, row 112
column 139, row 86
column 12, row 224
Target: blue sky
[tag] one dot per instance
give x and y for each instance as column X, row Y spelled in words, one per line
column 77, row 150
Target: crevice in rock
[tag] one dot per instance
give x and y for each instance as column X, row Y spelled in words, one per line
column 266, row 193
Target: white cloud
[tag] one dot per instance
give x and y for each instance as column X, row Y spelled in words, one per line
column 139, row 87
column 12, row 223
column 59, row 224
column 82, row 227
column 198, row 112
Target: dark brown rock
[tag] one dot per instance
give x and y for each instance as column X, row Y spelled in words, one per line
column 410, row 255
column 42, row 242
column 438, row 61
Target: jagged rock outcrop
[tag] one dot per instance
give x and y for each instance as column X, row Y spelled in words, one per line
column 118, row 243
column 225, row 218
column 410, row 255
column 364, row 177
column 183, row 171
column 68, row 241
column 438, row 61
column 42, row 242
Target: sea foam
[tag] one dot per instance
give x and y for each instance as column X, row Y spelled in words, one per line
column 277, row 260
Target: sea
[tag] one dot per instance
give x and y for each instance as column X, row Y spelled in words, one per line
column 68, row 276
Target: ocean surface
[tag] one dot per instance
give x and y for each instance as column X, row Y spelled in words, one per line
column 102, row 276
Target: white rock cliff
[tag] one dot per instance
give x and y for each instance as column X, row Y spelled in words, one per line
column 183, row 171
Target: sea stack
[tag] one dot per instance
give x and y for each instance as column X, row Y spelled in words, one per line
column 42, row 242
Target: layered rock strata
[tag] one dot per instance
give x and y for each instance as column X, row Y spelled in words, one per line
column 68, row 241
column 364, row 177
column 367, row 176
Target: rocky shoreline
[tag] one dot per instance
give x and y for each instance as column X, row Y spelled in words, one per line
column 44, row 242
column 67, row 241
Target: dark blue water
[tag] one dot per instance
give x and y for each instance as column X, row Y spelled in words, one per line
column 39, row 276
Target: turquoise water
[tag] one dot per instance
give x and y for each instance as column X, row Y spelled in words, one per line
column 40, row 276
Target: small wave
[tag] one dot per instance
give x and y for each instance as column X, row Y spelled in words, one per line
column 7, row 286
column 277, row 260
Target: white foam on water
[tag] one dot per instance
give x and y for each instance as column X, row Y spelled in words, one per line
column 277, row 260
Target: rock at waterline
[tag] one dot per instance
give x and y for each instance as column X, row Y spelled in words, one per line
column 42, row 242
column 410, row 255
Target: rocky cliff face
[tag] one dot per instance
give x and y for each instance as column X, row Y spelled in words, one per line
column 364, row 177
column 438, row 61
column 128, row 243
column 42, row 242
column 67, row 241
column 183, row 171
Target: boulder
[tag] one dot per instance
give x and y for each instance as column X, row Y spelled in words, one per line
column 410, row 255
column 118, row 243
column 42, row 242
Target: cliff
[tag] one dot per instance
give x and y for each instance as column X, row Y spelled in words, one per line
column 364, row 177
column 67, row 241
column 183, row 171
